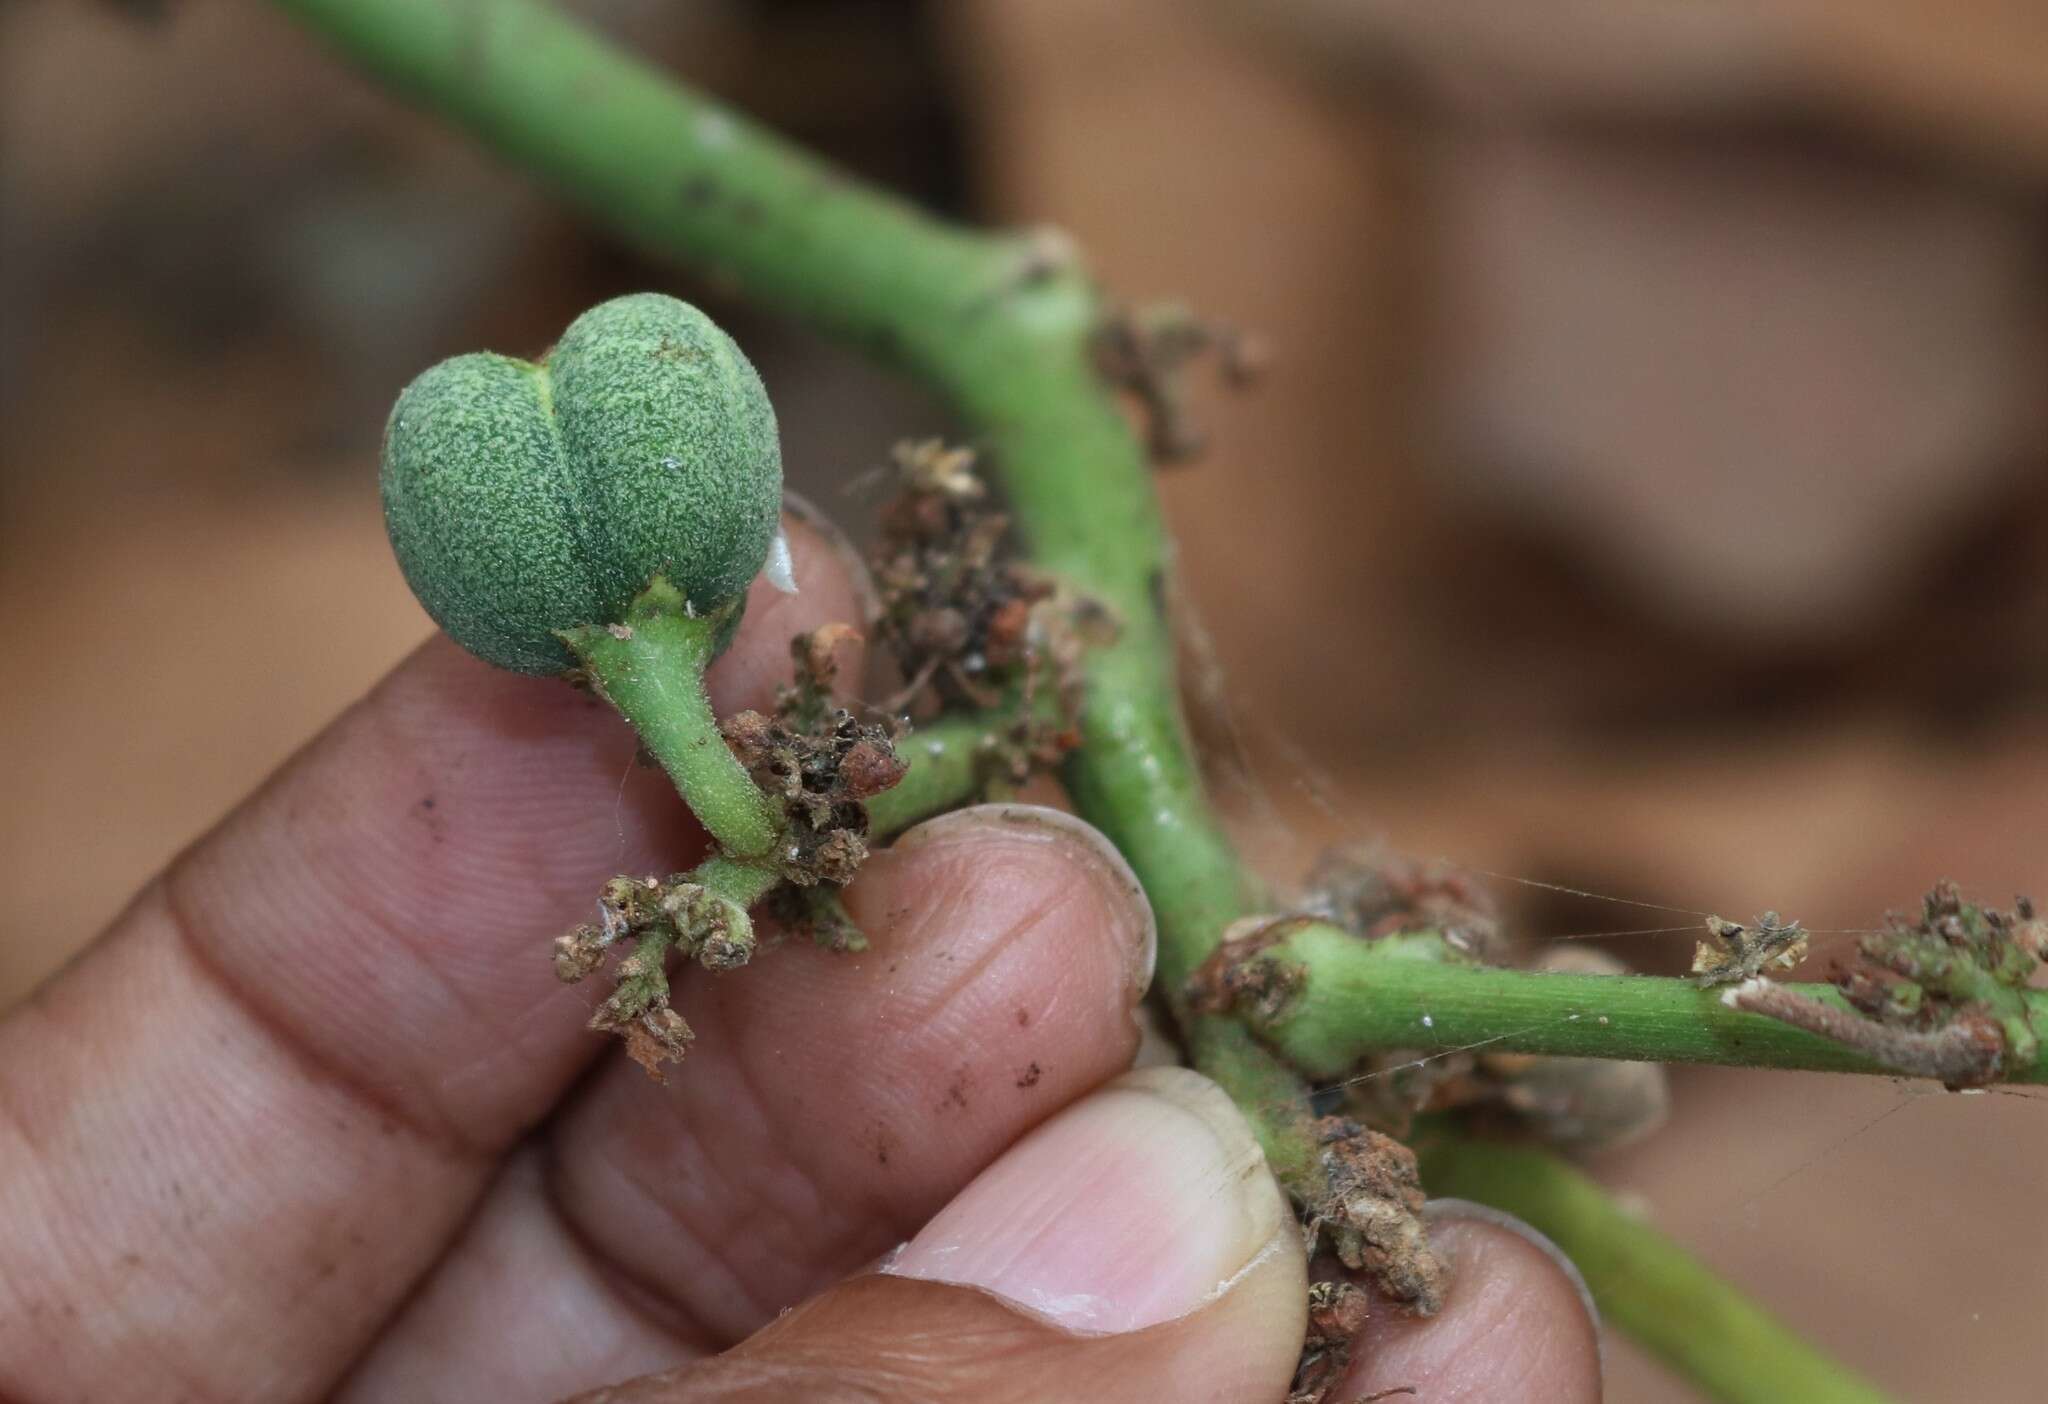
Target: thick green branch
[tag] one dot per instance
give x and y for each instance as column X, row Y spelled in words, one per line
column 1644, row 1283
column 1348, row 998
column 678, row 174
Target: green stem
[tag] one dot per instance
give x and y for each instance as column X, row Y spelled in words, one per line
column 1350, row 998
column 740, row 883
column 651, row 668
column 1644, row 1283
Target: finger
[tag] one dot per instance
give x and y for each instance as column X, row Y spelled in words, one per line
column 1133, row 1248
column 829, row 1106
column 1516, row 1324
column 235, row 1133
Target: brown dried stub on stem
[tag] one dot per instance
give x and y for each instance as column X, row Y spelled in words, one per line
column 971, row 628
column 1733, row 952
column 1372, row 1218
column 1235, row 980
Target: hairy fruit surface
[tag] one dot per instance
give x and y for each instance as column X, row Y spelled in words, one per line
column 526, row 499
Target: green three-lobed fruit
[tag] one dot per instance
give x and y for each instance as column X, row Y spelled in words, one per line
column 525, row 499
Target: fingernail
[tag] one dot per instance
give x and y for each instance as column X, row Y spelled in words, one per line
column 1136, row 1205
column 1038, row 823
column 1444, row 1216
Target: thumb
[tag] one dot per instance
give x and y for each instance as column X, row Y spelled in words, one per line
column 1133, row 1248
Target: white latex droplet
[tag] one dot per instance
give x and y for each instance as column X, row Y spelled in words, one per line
column 780, row 570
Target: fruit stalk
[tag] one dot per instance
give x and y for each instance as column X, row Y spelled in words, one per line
column 651, row 667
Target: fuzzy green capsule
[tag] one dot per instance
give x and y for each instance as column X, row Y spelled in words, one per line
column 524, row 500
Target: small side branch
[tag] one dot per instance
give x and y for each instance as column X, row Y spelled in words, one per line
column 1345, row 999
column 1968, row 1051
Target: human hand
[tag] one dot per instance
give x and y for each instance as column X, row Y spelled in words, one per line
column 314, row 1119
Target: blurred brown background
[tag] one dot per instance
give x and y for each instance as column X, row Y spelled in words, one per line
column 1647, row 494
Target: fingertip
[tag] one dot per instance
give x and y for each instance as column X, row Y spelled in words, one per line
column 1049, row 850
column 1137, row 1205
column 1516, row 1324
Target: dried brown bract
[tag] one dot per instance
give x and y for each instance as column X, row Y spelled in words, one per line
column 1372, row 1218
column 971, row 627
column 657, row 917
column 1733, row 952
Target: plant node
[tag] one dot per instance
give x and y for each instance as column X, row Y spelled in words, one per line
column 1379, row 894
column 819, row 763
column 702, row 914
column 1239, row 977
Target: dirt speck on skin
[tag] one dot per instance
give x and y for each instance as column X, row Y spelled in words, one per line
column 1029, row 1077
column 884, row 1143
column 1023, row 1018
column 423, row 810
column 956, row 1091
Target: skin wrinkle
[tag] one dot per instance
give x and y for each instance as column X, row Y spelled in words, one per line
column 86, row 1263
column 740, row 1182
column 527, row 1351
column 444, row 1142
column 646, row 1301
column 375, row 926
column 998, row 946
column 734, row 1159
column 12, row 1117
